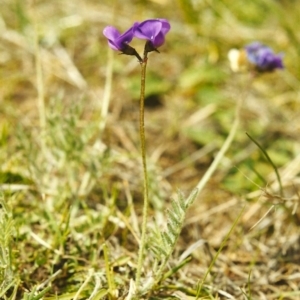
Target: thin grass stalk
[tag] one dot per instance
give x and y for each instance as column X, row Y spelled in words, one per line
column 110, row 281
column 96, row 289
column 84, row 284
column 223, row 149
column 145, row 175
column 107, row 90
column 265, row 153
column 176, row 268
column 40, row 85
column 219, row 251
column 39, row 80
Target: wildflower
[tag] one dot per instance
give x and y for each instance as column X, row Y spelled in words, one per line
column 154, row 31
column 263, row 58
column 255, row 56
column 119, row 42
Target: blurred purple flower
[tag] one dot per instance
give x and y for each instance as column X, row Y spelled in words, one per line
column 153, row 30
column 263, row 57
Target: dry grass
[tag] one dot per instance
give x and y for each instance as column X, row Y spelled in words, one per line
column 69, row 186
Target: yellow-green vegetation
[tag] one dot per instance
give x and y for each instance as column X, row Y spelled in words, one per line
column 71, row 181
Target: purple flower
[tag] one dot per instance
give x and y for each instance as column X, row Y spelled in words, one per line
column 153, row 30
column 119, row 42
column 263, row 57
column 116, row 40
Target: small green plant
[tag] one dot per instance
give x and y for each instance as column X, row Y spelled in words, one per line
column 7, row 277
column 162, row 243
column 154, row 31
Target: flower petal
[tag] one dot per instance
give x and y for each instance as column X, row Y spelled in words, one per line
column 127, row 36
column 148, row 29
column 159, row 40
column 165, row 26
column 117, row 41
column 111, row 32
column 263, row 57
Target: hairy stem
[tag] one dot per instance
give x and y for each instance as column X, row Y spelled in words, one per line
column 144, row 162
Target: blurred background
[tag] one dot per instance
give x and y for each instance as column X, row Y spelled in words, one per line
column 191, row 90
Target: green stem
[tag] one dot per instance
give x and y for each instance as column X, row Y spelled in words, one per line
column 269, row 160
column 201, row 184
column 144, row 162
column 208, row 174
